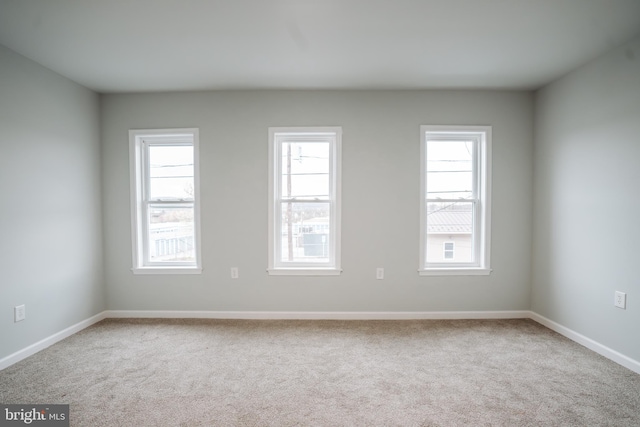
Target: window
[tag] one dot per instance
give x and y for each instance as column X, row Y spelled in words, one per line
column 449, row 248
column 164, row 200
column 304, row 200
column 455, row 200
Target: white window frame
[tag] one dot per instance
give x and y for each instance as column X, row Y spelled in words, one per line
column 139, row 142
column 277, row 137
column 481, row 199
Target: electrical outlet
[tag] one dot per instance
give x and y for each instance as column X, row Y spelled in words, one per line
column 379, row 273
column 620, row 300
column 234, row 272
column 19, row 313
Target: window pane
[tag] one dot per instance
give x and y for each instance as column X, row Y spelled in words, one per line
column 305, row 170
column 171, row 234
column 449, row 225
column 449, row 169
column 305, row 232
column 310, row 186
column 171, row 172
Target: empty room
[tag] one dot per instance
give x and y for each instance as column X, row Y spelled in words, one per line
column 320, row 213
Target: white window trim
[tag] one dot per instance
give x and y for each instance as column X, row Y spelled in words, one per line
column 483, row 223
column 332, row 268
column 137, row 179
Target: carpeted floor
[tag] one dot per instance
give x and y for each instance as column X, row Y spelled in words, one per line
column 325, row 373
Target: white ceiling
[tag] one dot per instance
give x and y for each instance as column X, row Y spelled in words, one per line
column 168, row 45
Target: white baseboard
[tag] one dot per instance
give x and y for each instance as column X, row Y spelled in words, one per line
column 319, row 315
column 46, row 342
column 610, row 354
column 603, row 350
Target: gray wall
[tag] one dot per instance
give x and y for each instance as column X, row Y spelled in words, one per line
column 586, row 202
column 50, row 214
column 380, row 200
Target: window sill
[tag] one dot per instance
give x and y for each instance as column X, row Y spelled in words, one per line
column 455, row 272
column 167, row 270
column 304, row 271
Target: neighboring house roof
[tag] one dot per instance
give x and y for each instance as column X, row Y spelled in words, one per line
column 446, row 221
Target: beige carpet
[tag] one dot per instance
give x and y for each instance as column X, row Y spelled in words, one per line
column 325, row 373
